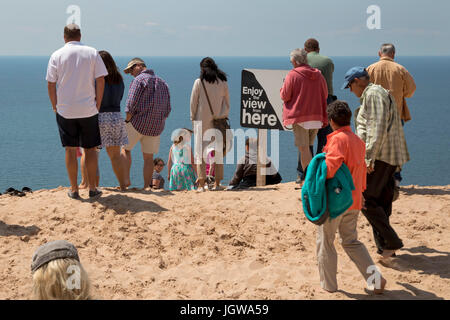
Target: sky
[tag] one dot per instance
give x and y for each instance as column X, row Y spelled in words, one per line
column 228, row 28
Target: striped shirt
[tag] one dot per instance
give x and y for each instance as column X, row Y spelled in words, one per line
column 378, row 124
column 148, row 103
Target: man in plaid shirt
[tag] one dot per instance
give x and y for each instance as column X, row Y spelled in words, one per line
column 379, row 125
column 148, row 107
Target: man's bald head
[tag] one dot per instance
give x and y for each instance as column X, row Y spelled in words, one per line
column 72, row 32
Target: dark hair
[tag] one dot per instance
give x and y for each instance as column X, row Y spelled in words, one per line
column 312, row 45
column 210, row 72
column 114, row 76
column 157, row 160
column 340, row 113
column 72, row 31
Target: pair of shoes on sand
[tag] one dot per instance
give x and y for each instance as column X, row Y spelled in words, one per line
column 379, row 290
column 92, row 194
column 215, row 188
column 13, row 192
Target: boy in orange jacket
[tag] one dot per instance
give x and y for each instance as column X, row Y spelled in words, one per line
column 343, row 146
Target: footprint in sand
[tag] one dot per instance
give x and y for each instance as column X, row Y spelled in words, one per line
column 256, row 265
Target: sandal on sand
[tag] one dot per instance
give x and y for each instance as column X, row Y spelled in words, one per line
column 13, row 192
column 74, row 195
column 27, row 190
column 96, row 193
column 218, row 188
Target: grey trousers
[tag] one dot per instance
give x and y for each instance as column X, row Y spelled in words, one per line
column 326, row 252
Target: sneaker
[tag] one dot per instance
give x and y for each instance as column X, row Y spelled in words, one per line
column 96, row 193
column 218, row 188
column 73, row 195
column 388, row 254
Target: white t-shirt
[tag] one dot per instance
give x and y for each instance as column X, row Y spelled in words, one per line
column 74, row 69
column 310, row 125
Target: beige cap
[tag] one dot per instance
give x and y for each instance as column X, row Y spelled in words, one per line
column 132, row 63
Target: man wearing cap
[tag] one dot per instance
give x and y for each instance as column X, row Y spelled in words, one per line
column 75, row 77
column 148, row 107
column 378, row 125
column 395, row 78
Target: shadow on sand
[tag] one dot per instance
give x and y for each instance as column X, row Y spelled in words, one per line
column 438, row 264
column 158, row 193
column 410, row 191
column 410, row 293
column 7, row 230
column 122, row 204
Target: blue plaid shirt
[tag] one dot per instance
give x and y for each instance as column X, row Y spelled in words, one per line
column 149, row 103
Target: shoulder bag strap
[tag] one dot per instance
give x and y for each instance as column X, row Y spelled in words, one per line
column 207, row 97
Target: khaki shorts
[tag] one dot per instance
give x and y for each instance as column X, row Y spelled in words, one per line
column 149, row 144
column 304, row 137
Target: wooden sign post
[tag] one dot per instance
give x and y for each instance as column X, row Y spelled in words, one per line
column 262, row 156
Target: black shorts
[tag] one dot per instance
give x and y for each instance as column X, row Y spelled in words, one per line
column 82, row 132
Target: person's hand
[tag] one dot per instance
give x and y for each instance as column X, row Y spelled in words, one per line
column 370, row 169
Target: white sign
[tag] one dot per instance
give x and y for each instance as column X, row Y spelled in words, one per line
column 261, row 104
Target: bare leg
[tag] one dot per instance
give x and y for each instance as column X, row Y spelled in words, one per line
column 118, row 164
column 306, row 156
column 91, row 165
column 84, row 174
column 148, row 169
column 72, row 168
column 126, row 160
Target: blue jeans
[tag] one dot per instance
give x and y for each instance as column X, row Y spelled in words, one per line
column 321, row 142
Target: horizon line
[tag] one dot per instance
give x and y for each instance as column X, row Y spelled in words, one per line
column 229, row 56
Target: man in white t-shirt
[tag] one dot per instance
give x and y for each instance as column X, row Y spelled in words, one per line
column 75, row 77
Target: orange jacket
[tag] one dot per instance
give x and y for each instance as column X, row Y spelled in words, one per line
column 395, row 78
column 343, row 146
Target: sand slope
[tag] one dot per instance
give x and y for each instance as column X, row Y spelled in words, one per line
column 217, row 245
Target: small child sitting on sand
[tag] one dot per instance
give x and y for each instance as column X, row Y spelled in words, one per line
column 182, row 174
column 158, row 180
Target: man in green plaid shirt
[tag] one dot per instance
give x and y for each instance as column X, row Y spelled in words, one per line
column 378, row 124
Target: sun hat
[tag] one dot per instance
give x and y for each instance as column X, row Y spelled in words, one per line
column 132, row 63
column 352, row 74
column 54, row 250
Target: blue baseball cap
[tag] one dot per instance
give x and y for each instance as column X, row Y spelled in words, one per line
column 352, row 74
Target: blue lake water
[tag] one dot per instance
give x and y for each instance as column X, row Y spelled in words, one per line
column 31, row 153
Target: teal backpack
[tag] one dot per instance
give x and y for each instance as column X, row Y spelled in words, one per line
column 322, row 198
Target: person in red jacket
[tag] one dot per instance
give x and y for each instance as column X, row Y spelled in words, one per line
column 343, row 146
column 305, row 94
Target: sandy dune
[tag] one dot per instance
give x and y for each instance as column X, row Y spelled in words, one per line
column 217, row 245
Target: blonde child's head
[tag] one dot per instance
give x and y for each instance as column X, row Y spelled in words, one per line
column 58, row 273
column 181, row 136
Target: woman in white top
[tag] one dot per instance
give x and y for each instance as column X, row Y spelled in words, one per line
column 214, row 81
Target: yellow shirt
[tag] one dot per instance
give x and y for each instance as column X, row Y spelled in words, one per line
column 395, row 78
